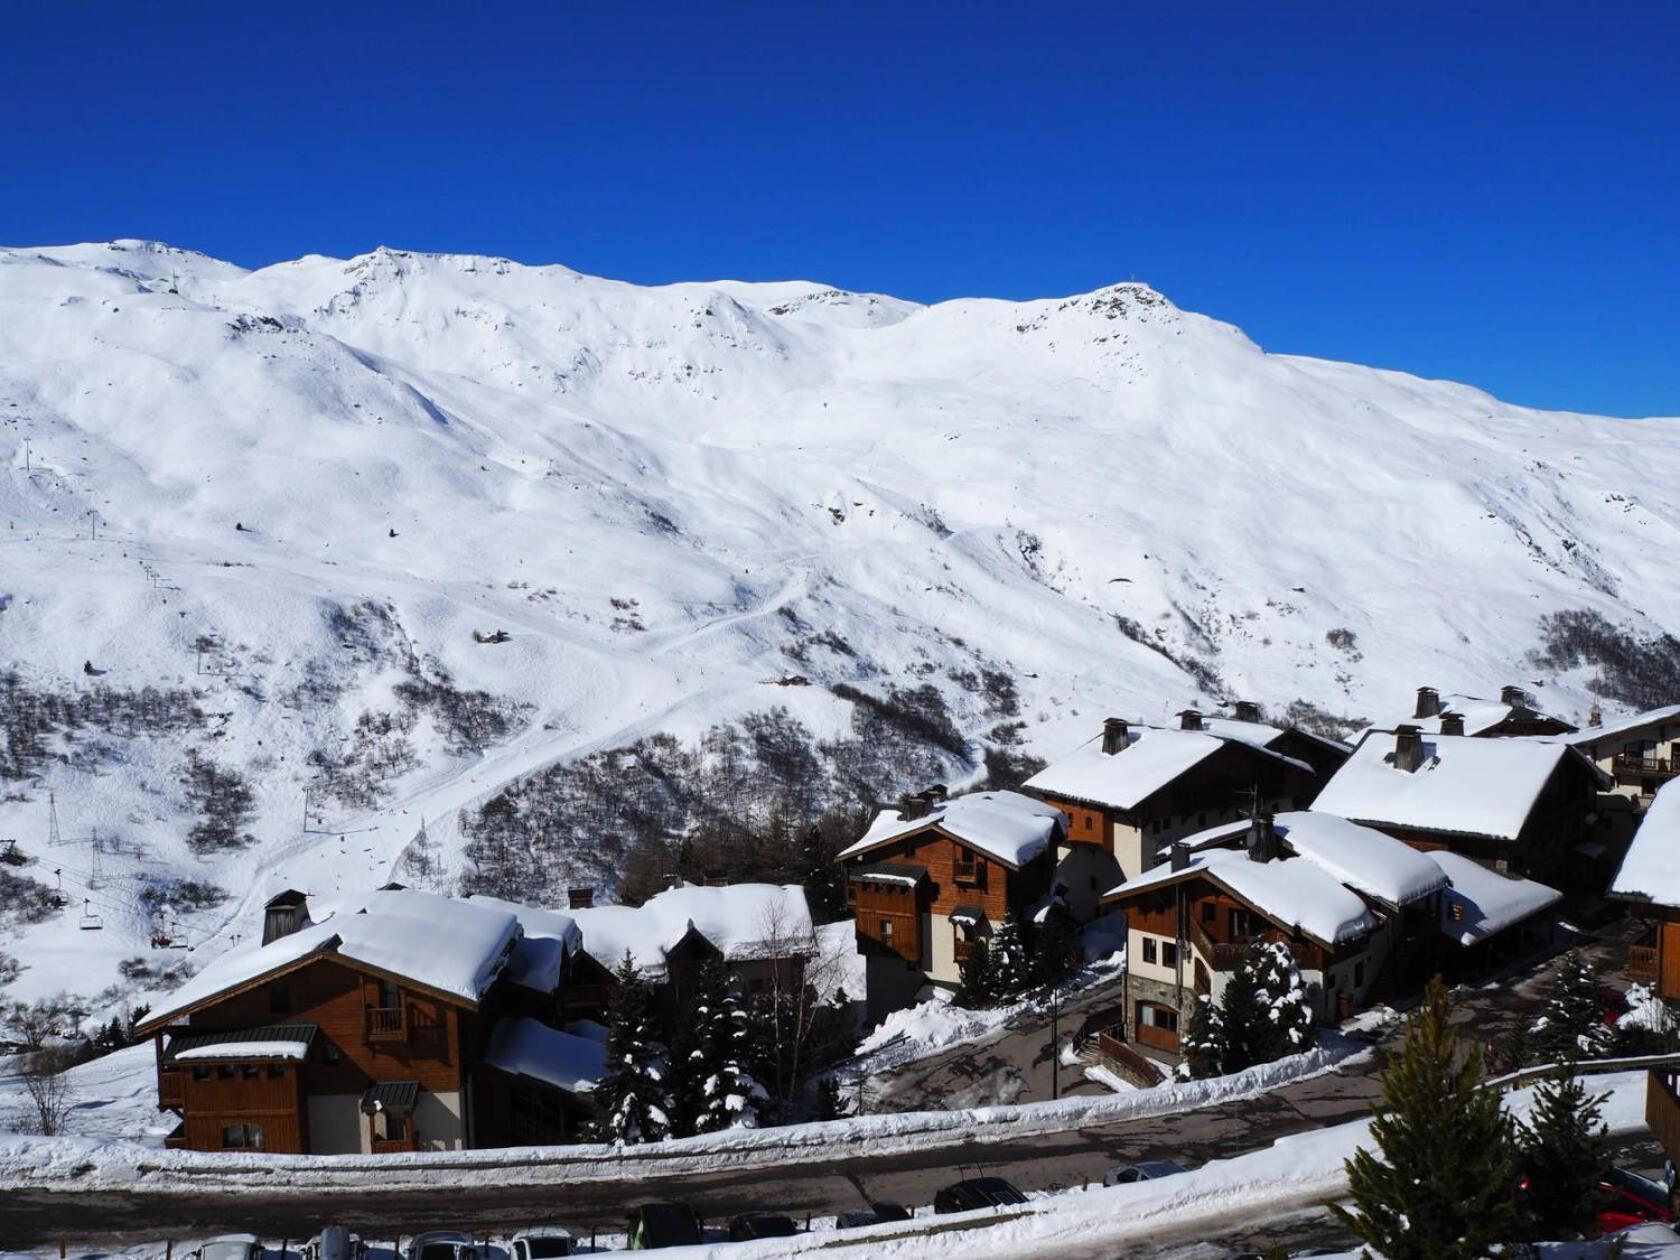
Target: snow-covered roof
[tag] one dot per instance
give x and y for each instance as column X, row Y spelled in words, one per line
column 551, row 924
column 1482, row 787
column 269, row 1041
column 1261, row 734
column 1625, row 726
column 1651, row 867
column 439, row 943
column 246, row 1050
column 1007, row 826
column 1152, row 758
column 1488, row 902
column 1294, row 892
column 1479, row 714
column 537, row 963
column 743, row 920
column 524, row 1047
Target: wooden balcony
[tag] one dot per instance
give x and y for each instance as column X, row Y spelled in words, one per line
column 1158, row 1038
column 1662, row 1109
column 385, row 1023
column 1632, row 769
column 1642, row 965
column 391, row 1146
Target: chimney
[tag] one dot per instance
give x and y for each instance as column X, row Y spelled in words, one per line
column 1429, row 702
column 580, row 898
column 937, row 794
column 1115, row 736
column 1190, row 720
column 1408, row 748
column 1179, row 856
column 1247, row 711
column 1595, row 716
column 1513, row 696
column 1262, row 839
column 284, row 914
column 913, row 805
column 1452, row 723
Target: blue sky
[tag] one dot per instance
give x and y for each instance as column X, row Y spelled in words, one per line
column 1486, row 192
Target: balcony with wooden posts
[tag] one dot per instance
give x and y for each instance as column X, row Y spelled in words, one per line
column 1662, row 1109
column 385, row 1023
column 1635, row 767
column 1644, row 963
column 1227, row 955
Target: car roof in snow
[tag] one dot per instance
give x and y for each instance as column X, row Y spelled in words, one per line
column 449, row 947
column 1466, row 784
column 525, row 1047
column 1486, row 901
column 1153, row 757
column 742, row 920
column 1007, row 826
column 1624, row 726
column 1651, row 867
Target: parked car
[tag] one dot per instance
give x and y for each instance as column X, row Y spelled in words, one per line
column 1631, row 1200
column 443, row 1244
column 231, row 1247
column 749, row 1226
column 1148, row 1170
column 977, row 1192
column 655, row 1225
column 334, row 1242
column 541, row 1242
column 874, row 1214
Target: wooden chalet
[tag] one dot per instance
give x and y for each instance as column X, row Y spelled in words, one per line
column 365, row 1031
column 1640, row 754
column 1649, row 880
column 1248, row 725
column 929, row 879
column 1134, row 790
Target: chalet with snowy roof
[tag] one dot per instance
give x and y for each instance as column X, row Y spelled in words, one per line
column 1522, row 806
column 1248, row 724
column 1134, row 789
column 1513, row 713
column 1650, row 879
column 762, row 932
column 930, row 878
column 364, row 1029
column 1640, row 753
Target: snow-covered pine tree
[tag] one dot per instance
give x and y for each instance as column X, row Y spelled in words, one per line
column 1202, row 1051
column 830, row 1104
column 1242, row 1017
column 730, row 1096
column 1569, row 1027
column 1288, row 1026
column 1438, row 1185
column 1053, row 950
column 974, row 979
column 631, row 1101
column 1648, row 1026
column 1565, row 1156
column 1010, row 969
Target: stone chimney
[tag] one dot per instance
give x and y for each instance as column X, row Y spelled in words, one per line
column 580, row 898
column 1262, row 839
column 1595, row 716
column 1247, row 711
column 1190, row 720
column 1428, row 703
column 1513, row 696
column 1115, row 735
column 1408, row 748
column 1452, row 723
column 913, row 805
column 938, row 794
column 284, row 914
column 1179, row 856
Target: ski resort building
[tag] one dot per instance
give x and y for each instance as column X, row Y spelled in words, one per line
column 1640, row 754
column 1133, row 790
column 1513, row 713
column 1522, row 806
column 399, row 1021
column 1247, row 724
column 1650, row 879
column 929, row 879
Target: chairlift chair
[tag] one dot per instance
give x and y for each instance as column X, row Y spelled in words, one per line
column 91, row 922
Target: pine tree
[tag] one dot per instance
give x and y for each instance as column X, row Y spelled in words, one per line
column 1009, row 970
column 1569, row 1027
column 825, row 883
column 1202, row 1050
column 631, row 1100
column 1242, row 1017
column 1052, row 951
column 1288, row 1024
column 729, row 1093
column 1440, row 1182
column 974, row 979
column 1565, row 1156
column 830, row 1105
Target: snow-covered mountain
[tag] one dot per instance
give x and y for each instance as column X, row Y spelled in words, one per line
column 285, row 500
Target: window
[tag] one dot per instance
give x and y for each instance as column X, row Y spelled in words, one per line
column 250, row 1072
column 1169, row 953
column 886, row 929
column 201, row 1074
column 390, row 1126
column 275, row 1071
column 242, row 1137
column 1150, row 1015
column 225, row 1072
column 1090, row 823
column 1149, row 949
column 1210, row 911
column 389, row 996
column 279, row 999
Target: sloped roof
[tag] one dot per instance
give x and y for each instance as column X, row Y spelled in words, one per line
column 1153, row 757
column 1261, row 734
column 1651, row 867
column 271, row 1041
column 524, row 1047
column 450, row 947
column 1479, row 713
column 1484, row 787
column 1624, row 726
column 552, row 924
column 1488, row 901
column 1007, row 826
column 743, row 920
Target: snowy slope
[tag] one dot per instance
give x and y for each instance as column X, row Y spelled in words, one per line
column 332, row 473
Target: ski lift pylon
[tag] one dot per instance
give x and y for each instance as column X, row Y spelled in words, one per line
column 91, row 922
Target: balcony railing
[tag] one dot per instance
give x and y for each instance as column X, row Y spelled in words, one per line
column 386, row 1023
column 1643, row 963
column 390, row 1146
column 1626, row 766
